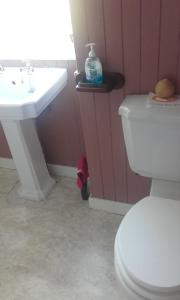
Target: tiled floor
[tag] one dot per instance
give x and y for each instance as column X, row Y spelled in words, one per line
column 57, row 249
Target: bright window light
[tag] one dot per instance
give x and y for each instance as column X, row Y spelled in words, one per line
column 36, row 29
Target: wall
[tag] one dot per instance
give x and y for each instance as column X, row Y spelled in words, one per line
column 59, row 126
column 139, row 38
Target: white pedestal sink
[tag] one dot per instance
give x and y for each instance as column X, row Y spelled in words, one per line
column 22, row 98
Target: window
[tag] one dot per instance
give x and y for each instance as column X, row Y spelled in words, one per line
column 35, row 29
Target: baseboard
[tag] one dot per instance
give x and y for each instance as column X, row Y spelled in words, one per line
column 57, row 170
column 7, row 163
column 119, row 208
column 62, row 170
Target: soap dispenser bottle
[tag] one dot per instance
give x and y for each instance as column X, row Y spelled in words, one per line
column 93, row 67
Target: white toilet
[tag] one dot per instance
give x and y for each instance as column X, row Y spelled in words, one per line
column 147, row 244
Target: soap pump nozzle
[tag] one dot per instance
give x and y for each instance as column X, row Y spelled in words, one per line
column 91, row 52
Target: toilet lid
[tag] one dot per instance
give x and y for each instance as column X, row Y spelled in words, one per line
column 149, row 243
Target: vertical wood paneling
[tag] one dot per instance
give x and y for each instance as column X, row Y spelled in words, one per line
column 131, row 42
column 95, row 24
column 178, row 70
column 94, row 15
column 169, row 38
column 105, row 145
column 86, row 100
column 114, row 56
column 150, row 30
column 139, row 38
column 113, row 35
column 137, row 186
column 88, row 116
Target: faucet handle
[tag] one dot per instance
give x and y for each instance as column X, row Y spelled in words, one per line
column 28, row 67
column 1, row 68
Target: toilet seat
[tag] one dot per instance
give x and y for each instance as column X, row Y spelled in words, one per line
column 147, row 249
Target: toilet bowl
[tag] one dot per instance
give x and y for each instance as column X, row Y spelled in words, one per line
column 147, row 254
column 147, row 244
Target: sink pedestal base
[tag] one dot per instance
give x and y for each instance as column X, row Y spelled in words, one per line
column 35, row 181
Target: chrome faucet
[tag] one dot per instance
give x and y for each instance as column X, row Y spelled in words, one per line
column 26, row 77
column 28, row 67
column 2, row 69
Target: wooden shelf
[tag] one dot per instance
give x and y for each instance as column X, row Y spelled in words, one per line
column 111, row 80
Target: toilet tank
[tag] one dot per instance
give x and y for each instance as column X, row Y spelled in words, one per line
column 152, row 137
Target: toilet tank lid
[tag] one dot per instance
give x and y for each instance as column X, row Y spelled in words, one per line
column 140, row 107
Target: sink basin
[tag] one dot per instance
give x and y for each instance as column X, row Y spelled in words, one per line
column 24, row 96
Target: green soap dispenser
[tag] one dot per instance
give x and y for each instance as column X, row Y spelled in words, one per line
column 93, row 67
